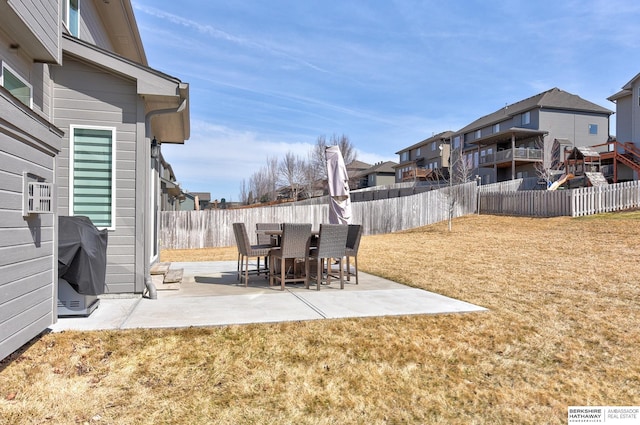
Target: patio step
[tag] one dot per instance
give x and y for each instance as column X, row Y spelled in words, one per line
column 174, row 276
column 165, row 278
column 160, row 268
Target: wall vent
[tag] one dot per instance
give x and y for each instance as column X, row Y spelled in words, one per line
column 38, row 196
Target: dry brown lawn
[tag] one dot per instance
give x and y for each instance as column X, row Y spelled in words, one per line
column 562, row 330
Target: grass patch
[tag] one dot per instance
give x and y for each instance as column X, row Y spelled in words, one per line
column 562, row 330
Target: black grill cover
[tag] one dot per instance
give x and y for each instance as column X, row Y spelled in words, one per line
column 82, row 254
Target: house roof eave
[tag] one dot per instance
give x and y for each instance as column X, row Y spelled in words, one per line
column 160, row 91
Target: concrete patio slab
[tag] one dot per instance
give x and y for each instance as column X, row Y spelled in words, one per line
column 210, row 295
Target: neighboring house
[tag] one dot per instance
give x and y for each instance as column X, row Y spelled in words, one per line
column 354, row 169
column 382, row 173
column 29, row 148
column 171, row 196
column 426, row 160
column 517, row 140
column 188, row 203
column 111, row 106
column 202, row 200
column 296, row 192
column 625, row 152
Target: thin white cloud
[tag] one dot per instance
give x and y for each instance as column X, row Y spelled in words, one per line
column 211, row 31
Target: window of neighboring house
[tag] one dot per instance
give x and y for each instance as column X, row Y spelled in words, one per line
column 16, row 85
column 593, row 128
column 418, row 152
column 71, row 16
column 496, row 128
column 434, row 146
column 456, row 142
column 92, row 174
column 478, row 134
column 404, row 156
column 526, row 118
column 638, row 96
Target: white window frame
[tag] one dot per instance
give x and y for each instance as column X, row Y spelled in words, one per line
column 66, row 16
column 478, row 134
column 496, row 128
column 6, row 68
column 72, row 130
column 456, row 142
column 526, row 118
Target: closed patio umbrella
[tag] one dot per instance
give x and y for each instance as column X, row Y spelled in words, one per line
column 338, row 181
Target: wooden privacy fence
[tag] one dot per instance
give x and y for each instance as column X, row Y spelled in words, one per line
column 573, row 202
column 213, row 228
column 529, row 203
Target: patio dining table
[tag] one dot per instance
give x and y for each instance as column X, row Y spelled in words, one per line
column 276, row 236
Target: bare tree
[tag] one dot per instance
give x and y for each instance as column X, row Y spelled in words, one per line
column 295, row 172
column 461, row 166
column 310, row 175
column 318, row 159
column 243, row 193
column 262, row 184
column 291, row 173
column 272, row 176
column 259, row 186
column 460, row 169
column 557, row 163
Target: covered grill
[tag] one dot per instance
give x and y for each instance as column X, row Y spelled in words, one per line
column 82, row 265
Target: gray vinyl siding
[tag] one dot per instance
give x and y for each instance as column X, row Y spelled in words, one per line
column 28, row 265
column 635, row 115
column 624, row 120
column 91, row 27
column 42, row 17
column 86, row 95
column 573, row 126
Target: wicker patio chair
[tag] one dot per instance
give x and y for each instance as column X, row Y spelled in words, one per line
column 266, row 239
column 294, row 245
column 332, row 243
column 246, row 251
column 353, row 244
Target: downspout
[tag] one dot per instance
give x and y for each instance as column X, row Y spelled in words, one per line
column 148, row 282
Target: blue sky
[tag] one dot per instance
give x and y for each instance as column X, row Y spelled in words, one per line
column 268, row 77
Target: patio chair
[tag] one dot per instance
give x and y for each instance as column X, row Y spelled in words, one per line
column 246, row 251
column 353, row 244
column 263, row 238
column 332, row 243
column 294, row 245
column 266, row 239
